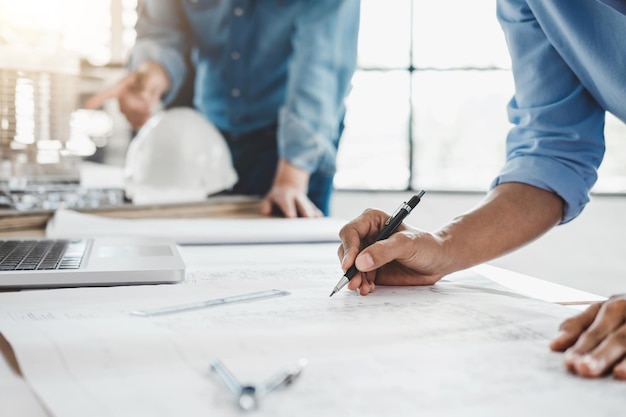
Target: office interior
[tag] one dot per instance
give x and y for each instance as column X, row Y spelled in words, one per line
column 427, row 108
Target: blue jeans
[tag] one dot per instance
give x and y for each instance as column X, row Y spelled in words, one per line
column 255, row 157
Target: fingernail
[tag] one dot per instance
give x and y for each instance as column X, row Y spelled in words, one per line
column 558, row 341
column 570, row 356
column 595, row 366
column 364, row 261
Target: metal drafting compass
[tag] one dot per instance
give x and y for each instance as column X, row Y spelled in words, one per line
column 248, row 396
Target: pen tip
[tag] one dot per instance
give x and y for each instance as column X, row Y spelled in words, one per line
column 332, row 293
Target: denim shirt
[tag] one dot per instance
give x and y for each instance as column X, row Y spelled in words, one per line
column 569, row 66
column 257, row 63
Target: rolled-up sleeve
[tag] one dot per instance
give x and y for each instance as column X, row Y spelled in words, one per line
column 557, row 142
column 163, row 37
column 319, row 77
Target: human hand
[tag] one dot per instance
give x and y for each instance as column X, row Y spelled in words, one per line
column 407, row 257
column 138, row 93
column 594, row 341
column 290, row 201
column 289, row 193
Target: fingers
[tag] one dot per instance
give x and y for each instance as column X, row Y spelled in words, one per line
column 139, row 101
column 270, row 207
column 356, row 234
column 135, row 104
column 285, row 204
column 572, row 328
column 378, row 254
column 290, row 203
column 115, row 91
column 598, row 340
column 408, row 257
column 138, row 94
column 363, row 283
column 306, row 208
column 619, row 370
column 265, row 208
column 601, row 359
column 609, row 317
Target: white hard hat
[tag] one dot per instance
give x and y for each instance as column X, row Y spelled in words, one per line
column 177, row 156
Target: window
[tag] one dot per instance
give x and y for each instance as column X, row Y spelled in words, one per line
column 44, row 45
column 429, row 98
column 428, row 104
column 99, row 31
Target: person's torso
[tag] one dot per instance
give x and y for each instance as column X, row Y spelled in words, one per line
column 241, row 54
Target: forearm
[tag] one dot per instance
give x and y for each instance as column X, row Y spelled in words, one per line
column 290, row 175
column 163, row 38
column 512, row 215
column 319, row 77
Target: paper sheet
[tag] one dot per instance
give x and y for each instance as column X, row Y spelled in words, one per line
column 464, row 347
column 16, row 397
column 72, row 224
column 537, row 288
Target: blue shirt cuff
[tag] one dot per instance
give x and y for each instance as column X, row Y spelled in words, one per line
column 549, row 175
column 302, row 146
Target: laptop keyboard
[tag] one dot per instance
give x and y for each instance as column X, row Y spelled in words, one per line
column 16, row 255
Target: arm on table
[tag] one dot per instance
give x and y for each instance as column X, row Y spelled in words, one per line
column 320, row 72
column 511, row 216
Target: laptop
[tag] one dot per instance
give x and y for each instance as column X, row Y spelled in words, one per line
column 101, row 261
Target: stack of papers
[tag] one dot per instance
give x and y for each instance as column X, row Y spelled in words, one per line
column 72, row 224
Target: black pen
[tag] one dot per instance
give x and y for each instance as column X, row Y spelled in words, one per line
column 391, row 225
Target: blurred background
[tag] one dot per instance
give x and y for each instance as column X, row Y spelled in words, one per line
column 428, row 104
column 427, row 111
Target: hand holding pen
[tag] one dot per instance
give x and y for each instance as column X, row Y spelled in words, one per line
column 372, row 252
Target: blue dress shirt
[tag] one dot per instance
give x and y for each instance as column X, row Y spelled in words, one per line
column 258, row 63
column 569, row 66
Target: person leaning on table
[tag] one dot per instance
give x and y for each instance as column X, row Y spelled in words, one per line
column 569, row 66
column 270, row 75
